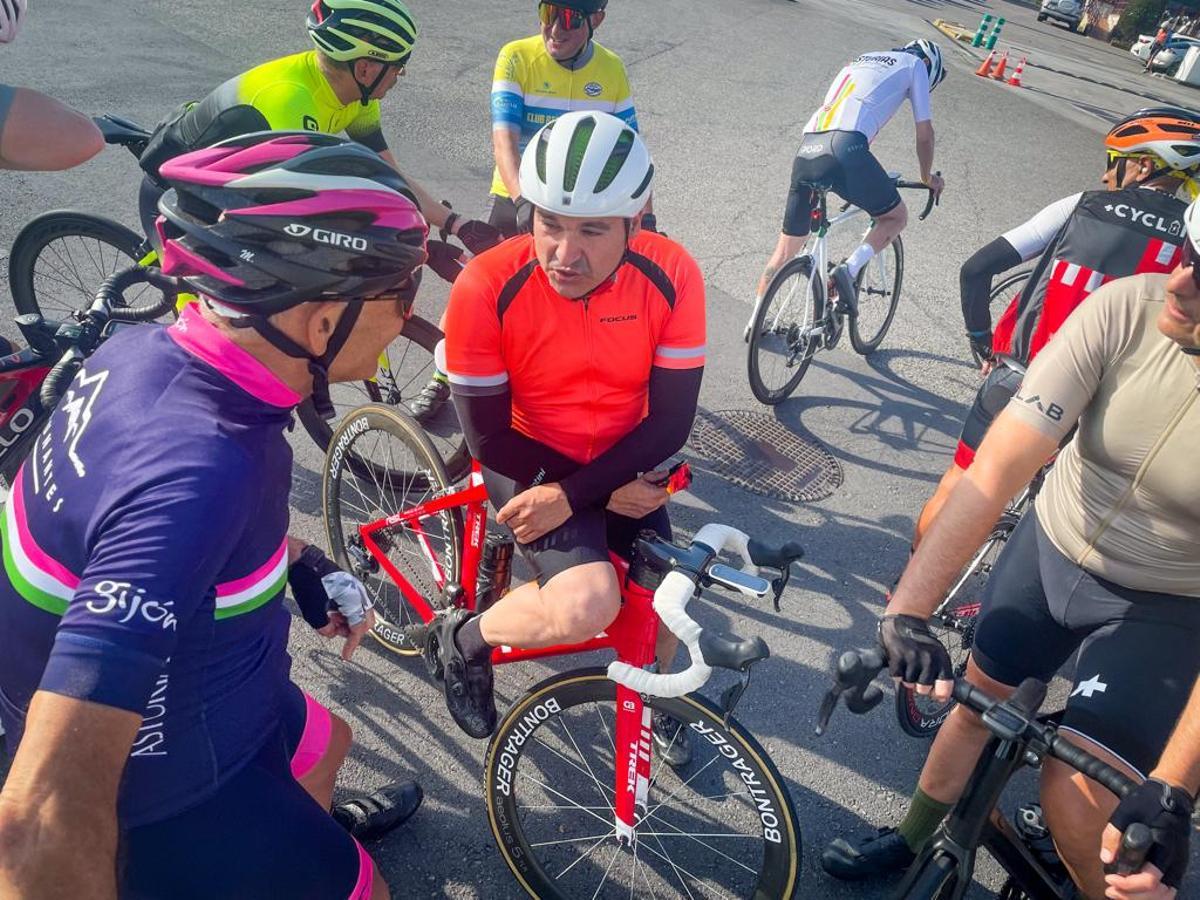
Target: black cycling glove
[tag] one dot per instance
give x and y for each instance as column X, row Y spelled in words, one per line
column 1167, row 812
column 914, row 655
column 524, row 215
column 981, row 345
column 478, row 236
column 445, row 259
column 319, row 585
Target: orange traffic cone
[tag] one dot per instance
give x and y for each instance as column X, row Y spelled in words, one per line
column 999, row 73
column 1015, row 81
column 985, row 68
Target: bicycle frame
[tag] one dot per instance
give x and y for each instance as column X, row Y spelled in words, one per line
column 632, row 635
column 21, row 413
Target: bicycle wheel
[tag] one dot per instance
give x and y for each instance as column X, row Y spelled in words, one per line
column 722, row 827
column 954, row 625
column 354, row 495
column 409, row 365
column 59, row 259
column 786, row 331
column 878, row 286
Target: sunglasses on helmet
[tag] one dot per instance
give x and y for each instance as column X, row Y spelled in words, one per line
column 568, row 18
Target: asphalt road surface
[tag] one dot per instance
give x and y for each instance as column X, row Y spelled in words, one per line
column 723, row 90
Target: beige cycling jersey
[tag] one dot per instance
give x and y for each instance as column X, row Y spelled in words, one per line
column 1123, row 499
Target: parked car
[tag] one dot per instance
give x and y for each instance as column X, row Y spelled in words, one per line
column 1168, row 57
column 1069, row 12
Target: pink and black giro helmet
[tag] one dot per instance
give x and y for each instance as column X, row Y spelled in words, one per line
column 269, row 220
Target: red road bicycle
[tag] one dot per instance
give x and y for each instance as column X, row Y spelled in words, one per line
column 576, row 802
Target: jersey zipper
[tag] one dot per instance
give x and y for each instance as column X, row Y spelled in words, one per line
column 1137, row 478
column 591, row 387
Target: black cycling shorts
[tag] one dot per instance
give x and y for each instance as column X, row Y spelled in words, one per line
column 843, row 161
column 1137, row 657
column 586, row 537
column 1001, row 384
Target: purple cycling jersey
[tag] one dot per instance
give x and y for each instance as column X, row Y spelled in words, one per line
column 145, row 557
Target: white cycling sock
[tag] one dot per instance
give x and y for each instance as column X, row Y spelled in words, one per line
column 859, row 258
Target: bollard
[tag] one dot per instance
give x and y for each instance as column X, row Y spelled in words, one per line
column 991, row 41
column 984, row 24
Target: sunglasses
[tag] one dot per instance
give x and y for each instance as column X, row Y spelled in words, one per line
column 1190, row 258
column 570, row 19
column 402, row 294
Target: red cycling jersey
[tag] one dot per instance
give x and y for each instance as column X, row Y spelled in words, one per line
column 578, row 370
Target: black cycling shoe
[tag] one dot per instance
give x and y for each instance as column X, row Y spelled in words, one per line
column 882, row 853
column 671, row 740
column 468, row 682
column 847, row 292
column 374, row 815
column 433, row 397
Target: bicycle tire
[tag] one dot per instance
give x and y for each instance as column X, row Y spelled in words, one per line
column 921, row 717
column 528, row 724
column 424, row 336
column 64, row 290
column 393, row 614
column 868, row 292
column 765, row 338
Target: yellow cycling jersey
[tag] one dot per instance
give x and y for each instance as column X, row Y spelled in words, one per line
column 287, row 94
column 531, row 88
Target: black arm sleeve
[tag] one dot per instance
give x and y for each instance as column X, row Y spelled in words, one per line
column 673, row 397
column 487, row 426
column 975, row 282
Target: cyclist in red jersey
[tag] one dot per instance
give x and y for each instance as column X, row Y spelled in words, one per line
column 575, row 356
column 1133, row 226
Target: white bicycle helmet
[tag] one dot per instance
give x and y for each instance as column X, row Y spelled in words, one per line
column 12, row 14
column 347, row 30
column 931, row 53
column 587, row 164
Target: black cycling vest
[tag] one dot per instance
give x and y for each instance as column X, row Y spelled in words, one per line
column 1110, row 234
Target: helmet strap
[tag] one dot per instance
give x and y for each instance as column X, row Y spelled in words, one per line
column 365, row 91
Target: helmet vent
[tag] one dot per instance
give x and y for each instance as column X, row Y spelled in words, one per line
column 616, row 160
column 576, row 150
column 645, row 182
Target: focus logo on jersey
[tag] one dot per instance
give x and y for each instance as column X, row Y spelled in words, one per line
column 1149, row 220
column 325, row 236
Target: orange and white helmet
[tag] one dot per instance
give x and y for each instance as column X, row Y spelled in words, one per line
column 1170, row 133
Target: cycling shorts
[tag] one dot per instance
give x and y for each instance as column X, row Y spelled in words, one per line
column 995, row 392
column 843, row 161
column 1137, row 657
column 261, row 835
column 586, row 537
column 7, row 92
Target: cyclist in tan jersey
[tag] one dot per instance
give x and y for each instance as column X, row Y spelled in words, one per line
column 1107, row 566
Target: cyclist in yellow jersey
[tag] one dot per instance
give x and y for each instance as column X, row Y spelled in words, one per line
column 537, row 79
column 362, row 48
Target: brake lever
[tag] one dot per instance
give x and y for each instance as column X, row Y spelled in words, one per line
column 778, row 585
column 732, row 695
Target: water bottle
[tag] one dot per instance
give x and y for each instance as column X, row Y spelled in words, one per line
column 495, row 570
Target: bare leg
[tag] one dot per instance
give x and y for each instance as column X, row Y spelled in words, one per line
column 785, row 249
column 319, row 780
column 574, row 606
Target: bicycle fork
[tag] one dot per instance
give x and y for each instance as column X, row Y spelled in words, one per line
column 633, row 763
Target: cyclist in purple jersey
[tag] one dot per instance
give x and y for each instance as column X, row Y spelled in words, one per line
column 144, row 674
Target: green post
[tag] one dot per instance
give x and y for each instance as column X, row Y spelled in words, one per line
column 991, row 41
column 984, row 23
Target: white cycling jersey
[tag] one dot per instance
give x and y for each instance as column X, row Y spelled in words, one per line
column 1032, row 237
column 866, row 94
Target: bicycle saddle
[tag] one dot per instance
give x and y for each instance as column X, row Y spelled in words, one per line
column 121, row 131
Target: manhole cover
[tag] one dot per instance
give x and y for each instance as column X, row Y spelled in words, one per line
column 756, row 452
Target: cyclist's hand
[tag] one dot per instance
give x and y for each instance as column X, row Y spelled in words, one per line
column 339, row 627
column 641, row 496
column 478, row 236
column 445, row 259
column 535, row 512
column 1167, row 811
column 937, row 184
column 915, row 656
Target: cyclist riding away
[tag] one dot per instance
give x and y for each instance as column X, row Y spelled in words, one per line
column 144, row 674
column 575, row 355
column 536, row 80
column 38, row 133
column 362, row 47
column 836, row 151
column 1130, row 227
column 1105, row 568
